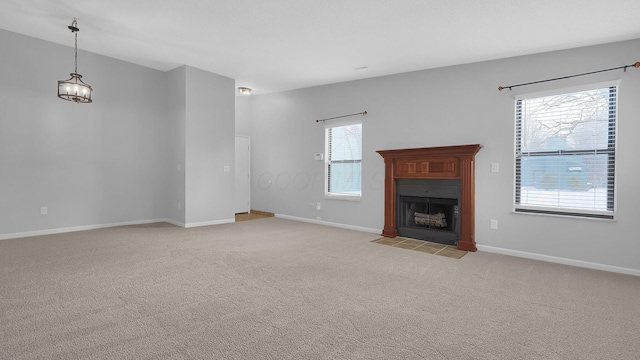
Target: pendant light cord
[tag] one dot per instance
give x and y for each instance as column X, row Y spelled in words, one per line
column 74, row 29
column 76, row 52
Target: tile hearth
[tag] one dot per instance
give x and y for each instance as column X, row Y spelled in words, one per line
column 424, row 246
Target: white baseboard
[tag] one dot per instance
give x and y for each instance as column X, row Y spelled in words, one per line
column 338, row 225
column 559, row 260
column 176, row 223
column 79, row 228
column 102, row 226
column 207, row 223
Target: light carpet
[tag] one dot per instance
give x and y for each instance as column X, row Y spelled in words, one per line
column 281, row 289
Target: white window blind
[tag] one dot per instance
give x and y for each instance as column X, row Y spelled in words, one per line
column 565, row 153
column 343, row 162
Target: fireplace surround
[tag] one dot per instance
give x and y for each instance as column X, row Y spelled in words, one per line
column 442, row 163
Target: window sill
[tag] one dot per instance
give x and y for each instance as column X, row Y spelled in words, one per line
column 562, row 214
column 342, row 197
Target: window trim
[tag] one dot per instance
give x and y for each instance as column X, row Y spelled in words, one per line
column 333, row 195
column 612, row 202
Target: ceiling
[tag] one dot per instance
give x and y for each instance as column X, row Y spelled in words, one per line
column 276, row 45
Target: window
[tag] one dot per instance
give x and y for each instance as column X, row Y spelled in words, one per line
column 343, row 161
column 565, row 153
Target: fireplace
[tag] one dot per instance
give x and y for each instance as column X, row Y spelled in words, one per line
column 429, row 194
column 428, row 209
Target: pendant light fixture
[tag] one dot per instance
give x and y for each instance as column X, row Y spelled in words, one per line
column 74, row 89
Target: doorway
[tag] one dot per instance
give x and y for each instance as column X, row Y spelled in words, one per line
column 242, row 199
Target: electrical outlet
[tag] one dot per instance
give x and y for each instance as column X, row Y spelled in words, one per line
column 318, row 206
column 495, row 167
column 227, row 168
column 44, row 210
column 179, row 206
column 494, row 224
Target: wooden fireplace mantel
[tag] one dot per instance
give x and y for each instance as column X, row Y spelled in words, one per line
column 445, row 162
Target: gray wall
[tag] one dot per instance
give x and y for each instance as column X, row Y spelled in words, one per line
column 176, row 145
column 90, row 164
column 210, row 138
column 448, row 106
column 200, row 143
column 121, row 159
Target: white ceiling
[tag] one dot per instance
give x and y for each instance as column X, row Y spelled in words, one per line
column 276, row 45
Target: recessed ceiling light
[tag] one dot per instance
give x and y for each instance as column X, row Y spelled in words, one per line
column 244, row 90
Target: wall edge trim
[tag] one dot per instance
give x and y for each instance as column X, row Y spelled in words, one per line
column 81, row 228
column 332, row 224
column 208, row 223
column 559, row 260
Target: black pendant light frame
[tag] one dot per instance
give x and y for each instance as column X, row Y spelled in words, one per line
column 74, row 89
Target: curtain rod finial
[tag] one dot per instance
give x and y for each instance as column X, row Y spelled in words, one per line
column 500, row 88
column 637, row 64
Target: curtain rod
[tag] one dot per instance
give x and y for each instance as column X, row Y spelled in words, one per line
column 338, row 117
column 636, row 65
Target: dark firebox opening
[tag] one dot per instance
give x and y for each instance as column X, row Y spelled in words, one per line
column 430, row 213
column 428, row 209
